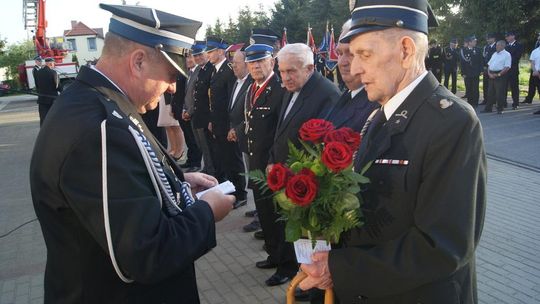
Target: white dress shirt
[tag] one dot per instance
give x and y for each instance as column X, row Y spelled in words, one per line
column 393, row 104
column 355, row 92
column 218, row 65
column 499, row 61
column 535, row 57
column 291, row 103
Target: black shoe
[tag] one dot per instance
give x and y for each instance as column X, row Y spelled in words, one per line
column 526, row 101
column 277, row 279
column 500, row 112
column 486, row 111
column 253, row 226
column 251, row 213
column 265, row 265
column 514, row 107
column 301, row 295
column 537, row 112
column 259, row 235
column 239, row 203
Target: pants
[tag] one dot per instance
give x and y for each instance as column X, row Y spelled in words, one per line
column 471, row 86
column 279, row 251
column 194, row 154
column 229, row 165
column 203, row 142
column 534, row 86
column 437, row 72
column 447, row 75
column 513, row 84
column 497, row 93
column 485, row 80
column 43, row 109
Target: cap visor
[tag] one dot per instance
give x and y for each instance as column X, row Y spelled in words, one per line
column 360, row 30
column 177, row 62
column 257, row 57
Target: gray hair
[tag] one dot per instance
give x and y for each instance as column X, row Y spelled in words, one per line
column 420, row 41
column 501, row 42
column 299, row 51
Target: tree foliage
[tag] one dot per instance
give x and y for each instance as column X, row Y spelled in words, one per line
column 457, row 19
column 16, row 54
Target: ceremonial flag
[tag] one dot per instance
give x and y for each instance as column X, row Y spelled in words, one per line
column 323, row 48
column 310, row 41
column 331, row 60
column 284, row 37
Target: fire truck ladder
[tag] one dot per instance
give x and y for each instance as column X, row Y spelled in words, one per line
column 30, row 11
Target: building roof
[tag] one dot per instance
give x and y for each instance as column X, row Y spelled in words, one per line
column 81, row 29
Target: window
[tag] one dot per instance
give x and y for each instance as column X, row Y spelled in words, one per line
column 72, row 44
column 92, row 44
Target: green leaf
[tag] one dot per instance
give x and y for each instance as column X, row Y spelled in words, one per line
column 293, row 231
column 310, row 149
column 366, row 167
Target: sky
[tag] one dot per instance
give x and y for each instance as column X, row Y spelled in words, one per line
column 59, row 14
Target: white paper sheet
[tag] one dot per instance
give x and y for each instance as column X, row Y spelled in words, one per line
column 303, row 249
column 226, row 188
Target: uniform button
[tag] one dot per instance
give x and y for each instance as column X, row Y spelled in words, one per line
column 250, row 129
column 250, row 153
column 250, row 116
column 263, row 115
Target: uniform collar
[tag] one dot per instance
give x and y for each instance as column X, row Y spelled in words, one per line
column 391, row 106
column 218, row 65
column 355, row 92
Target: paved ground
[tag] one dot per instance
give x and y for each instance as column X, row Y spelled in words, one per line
column 508, row 257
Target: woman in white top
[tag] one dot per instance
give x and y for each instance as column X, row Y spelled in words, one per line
column 175, row 136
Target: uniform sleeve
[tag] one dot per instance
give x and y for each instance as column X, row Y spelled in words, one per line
column 147, row 245
column 447, row 221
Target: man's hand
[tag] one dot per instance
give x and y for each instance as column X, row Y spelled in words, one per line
column 231, row 136
column 268, row 168
column 318, row 273
column 200, row 181
column 210, row 127
column 185, row 116
column 220, row 203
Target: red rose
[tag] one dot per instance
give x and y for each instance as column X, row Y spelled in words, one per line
column 336, row 156
column 344, row 135
column 302, row 188
column 277, row 177
column 314, row 130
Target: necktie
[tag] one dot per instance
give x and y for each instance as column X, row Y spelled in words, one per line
column 374, row 123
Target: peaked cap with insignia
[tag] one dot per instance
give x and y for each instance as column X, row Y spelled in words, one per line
column 170, row 34
column 262, row 44
column 213, row 43
column 376, row 15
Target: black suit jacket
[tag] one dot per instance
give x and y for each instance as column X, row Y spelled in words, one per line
column 260, row 127
column 35, row 69
column 423, row 220
column 475, row 64
column 488, row 52
column 516, row 51
column 451, row 58
column 236, row 112
column 315, row 98
column 221, row 85
column 201, row 101
column 68, row 187
column 352, row 113
column 47, row 84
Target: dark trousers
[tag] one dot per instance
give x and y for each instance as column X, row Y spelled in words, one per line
column 43, row 109
column 202, row 138
column 513, row 84
column 447, row 75
column 437, row 72
column 194, row 154
column 485, row 79
column 279, row 251
column 229, row 164
column 471, row 86
column 497, row 93
column 534, row 86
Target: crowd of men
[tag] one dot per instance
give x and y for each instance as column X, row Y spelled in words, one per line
column 500, row 75
column 120, row 218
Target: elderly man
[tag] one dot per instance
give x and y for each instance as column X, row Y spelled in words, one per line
column 47, row 83
column 353, row 108
column 38, row 63
column 261, row 111
column 424, row 207
column 119, row 224
column 308, row 96
column 498, row 67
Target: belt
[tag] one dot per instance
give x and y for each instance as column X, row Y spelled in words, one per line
column 495, row 71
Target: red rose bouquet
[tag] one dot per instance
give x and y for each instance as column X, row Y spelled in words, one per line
column 315, row 191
